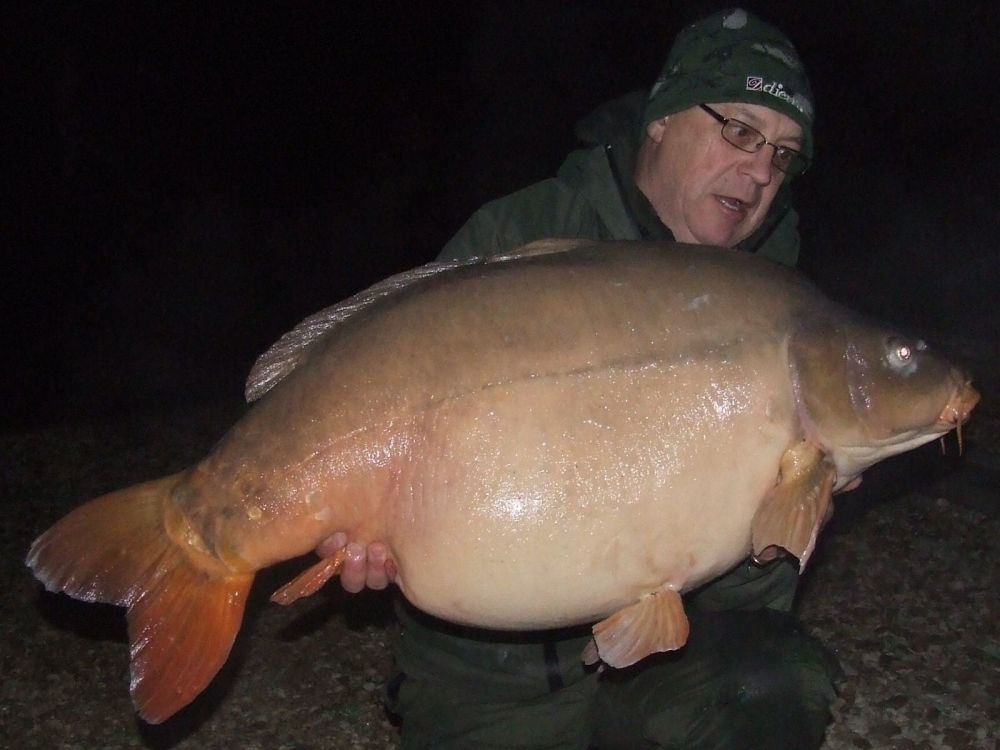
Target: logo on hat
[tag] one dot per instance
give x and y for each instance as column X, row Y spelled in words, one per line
column 777, row 90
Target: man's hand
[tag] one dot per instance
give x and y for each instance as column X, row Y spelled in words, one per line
column 369, row 568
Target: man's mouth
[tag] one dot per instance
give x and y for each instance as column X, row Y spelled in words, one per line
column 733, row 204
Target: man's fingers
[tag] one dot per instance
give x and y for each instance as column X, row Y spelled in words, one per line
column 363, row 567
column 376, row 577
column 353, row 574
column 332, row 544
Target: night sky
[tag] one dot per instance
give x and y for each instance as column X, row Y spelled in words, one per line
column 183, row 183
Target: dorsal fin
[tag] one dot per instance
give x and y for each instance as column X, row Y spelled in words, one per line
column 287, row 352
column 542, row 247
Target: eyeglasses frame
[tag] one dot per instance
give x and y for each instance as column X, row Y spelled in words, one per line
column 763, row 142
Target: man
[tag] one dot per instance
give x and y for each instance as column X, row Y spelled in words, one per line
column 705, row 158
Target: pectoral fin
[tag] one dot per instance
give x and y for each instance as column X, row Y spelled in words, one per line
column 796, row 507
column 653, row 624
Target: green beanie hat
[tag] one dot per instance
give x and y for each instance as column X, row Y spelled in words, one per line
column 734, row 56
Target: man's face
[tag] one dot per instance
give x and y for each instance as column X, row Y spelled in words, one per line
column 703, row 188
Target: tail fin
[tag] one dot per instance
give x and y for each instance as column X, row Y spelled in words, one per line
column 184, row 608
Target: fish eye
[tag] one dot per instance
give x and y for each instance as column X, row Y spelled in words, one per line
column 901, row 354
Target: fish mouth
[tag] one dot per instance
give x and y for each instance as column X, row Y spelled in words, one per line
column 956, row 412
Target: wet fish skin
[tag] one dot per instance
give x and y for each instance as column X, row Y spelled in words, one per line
column 553, row 438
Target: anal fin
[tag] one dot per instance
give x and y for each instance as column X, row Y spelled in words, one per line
column 795, row 509
column 311, row 580
column 653, row 624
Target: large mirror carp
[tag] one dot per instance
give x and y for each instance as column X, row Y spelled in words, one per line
column 579, row 432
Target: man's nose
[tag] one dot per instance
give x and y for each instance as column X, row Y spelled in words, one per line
column 758, row 165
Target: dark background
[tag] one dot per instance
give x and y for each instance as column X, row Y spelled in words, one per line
column 184, row 182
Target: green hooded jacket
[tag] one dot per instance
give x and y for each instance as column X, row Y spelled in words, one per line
column 594, row 196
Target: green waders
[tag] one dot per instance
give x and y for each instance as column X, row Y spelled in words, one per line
column 748, row 679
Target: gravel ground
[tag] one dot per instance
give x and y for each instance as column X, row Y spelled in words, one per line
column 904, row 588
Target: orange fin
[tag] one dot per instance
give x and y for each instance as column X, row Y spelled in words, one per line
column 184, row 607
column 311, row 580
column 653, row 624
column 796, row 508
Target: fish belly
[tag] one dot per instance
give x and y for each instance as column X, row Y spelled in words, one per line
column 558, row 500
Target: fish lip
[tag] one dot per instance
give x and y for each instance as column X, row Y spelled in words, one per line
column 959, row 407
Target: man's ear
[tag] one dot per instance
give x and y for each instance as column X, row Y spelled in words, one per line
column 656, row 128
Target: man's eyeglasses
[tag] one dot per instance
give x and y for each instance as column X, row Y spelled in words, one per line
column 751, row 140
